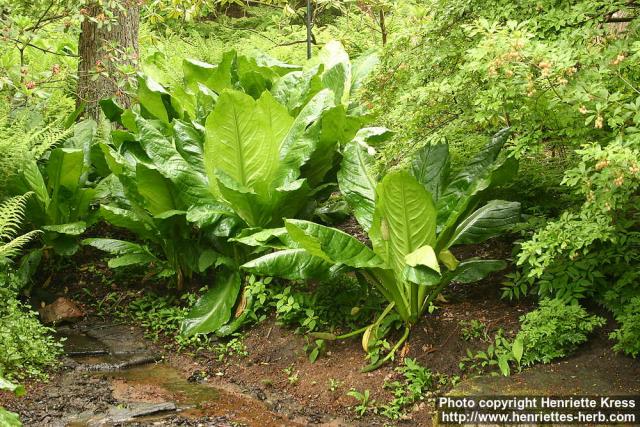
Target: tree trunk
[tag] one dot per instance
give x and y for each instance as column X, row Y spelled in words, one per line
column 103, row 52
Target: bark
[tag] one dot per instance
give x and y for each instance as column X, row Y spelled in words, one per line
column 105, row 50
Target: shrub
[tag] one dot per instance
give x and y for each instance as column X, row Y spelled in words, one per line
column 27, row 349
column 554, row 330
column 628, row 334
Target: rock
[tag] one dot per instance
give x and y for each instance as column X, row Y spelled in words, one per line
column 61, row 310
column 136, row 410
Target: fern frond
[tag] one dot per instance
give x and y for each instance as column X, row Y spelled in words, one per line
column 21, row 142
column 11, row 216
column 43, row 140
column 14, row 247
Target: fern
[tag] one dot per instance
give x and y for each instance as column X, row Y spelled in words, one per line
column 21, row 142
column 11, row 215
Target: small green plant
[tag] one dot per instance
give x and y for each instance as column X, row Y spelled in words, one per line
column 334, row 384
column 554, row 330
column 314, row 348
column 235, row 346
column 415, row 382
column 473, row 329
column 27, row 347
column 293, row 375
column 500, row 353
column 365, row 403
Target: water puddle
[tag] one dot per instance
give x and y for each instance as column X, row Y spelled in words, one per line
column 146, row 391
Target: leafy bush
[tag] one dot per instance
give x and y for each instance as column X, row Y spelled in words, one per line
column 554, row 330
column 28, row 349
column 628, row 334
column 458, row 69
column 592, row 251
column 412, row 221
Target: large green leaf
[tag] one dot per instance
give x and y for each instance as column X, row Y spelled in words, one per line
column 125, row 219
column 337, row 71
column 35, row 182
column 189, row 142
column 270, row 237
column 431, row 167
column 295, row 89
column 404, row 219
column 245, row 202
column 214, row 308
column 216, row 77
column 332, row 245
column 71, row 229
column 154, row 98
column 131, row 259
column 208, row 214
column 489, row 221
column 243, row 137
column 291, row 264
column 192, row 186
column 473, row 270
column 65, row 168
column 330, row 131
column 479, row 164
column 301, row 139
column 356, row 177
column 9, row 419
column 465, row 190
column 115, row 246
column 155, row 189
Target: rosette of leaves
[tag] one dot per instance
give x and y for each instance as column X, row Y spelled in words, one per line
column 413, row 219
column 240, row 145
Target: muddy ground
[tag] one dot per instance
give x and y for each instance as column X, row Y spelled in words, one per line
column 257, row 389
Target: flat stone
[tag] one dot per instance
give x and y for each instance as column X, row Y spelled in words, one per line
column 135, row 410
column 61, row 310
column 119, row 339
column 113, row 363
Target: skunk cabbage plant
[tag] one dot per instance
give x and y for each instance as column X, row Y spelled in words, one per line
column 239, row 146
column 413, row 219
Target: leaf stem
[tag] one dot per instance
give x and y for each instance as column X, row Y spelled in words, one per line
column 374, row 366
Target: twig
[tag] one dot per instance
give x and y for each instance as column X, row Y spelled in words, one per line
column 27, row 44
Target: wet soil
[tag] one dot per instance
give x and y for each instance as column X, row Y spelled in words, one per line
column 113, row 376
